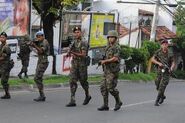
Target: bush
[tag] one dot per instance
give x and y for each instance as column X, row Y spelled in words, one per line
column 151, row 47
column 179, row 74
column 126, row 52
column 139, row 56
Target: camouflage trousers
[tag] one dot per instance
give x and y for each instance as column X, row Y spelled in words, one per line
column 78, row 73
column 162, row 81
column 38, row 78
column 25, row 63
column 108, row 85
column 5, row 73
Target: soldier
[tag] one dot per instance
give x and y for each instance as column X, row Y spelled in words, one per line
column 5, row 54
column 78, row 71
column 43, row 49
column 24, row 55
column 111, row 67
column 162, row 57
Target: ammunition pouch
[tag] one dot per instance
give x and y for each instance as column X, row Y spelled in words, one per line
column 87, row 60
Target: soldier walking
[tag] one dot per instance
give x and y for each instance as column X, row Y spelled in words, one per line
column 5, row 54
column 43, row 49
column 24, row 55
column 166, row 63
column 78, row 50
column 111, row 66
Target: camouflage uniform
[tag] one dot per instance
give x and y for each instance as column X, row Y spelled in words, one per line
column 162, row 78
column 111, row 73
column 25, row 57
column 78, row 71
column 4, row 67
column 42, row 65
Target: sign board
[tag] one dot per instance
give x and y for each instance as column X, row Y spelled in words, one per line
column 15, row 17
column 97, row 37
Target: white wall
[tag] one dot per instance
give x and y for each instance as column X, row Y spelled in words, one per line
column 92, row 69
column 130, row 11
column 133, row 39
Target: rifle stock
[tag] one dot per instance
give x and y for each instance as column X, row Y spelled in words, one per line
column 166, row 66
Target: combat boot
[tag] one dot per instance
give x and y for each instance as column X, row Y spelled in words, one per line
column 40, row 99
column 157, row 101
column 103, row 108
column 118, row 106
column 162, row 99
column 7, row 94
column 20, row 76
column 87, row 99
column 71, row 104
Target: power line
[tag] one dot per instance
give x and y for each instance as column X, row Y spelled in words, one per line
column 149, row 3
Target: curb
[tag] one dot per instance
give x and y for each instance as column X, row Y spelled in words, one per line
column 33, row 87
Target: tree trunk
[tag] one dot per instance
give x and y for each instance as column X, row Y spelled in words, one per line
column 183, row 58
column 48, row 31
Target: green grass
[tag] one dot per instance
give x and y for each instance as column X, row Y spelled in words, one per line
column 56, row 79
column 138, row 77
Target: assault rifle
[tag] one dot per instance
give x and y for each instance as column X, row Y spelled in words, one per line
column 99, row 63
column 166, row 66
column 31, row 42
column 71, row 48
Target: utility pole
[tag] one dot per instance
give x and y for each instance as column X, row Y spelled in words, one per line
column 155, row 21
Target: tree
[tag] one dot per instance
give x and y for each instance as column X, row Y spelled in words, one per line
column 49, row 11
column 180, row 24
column 150, row 48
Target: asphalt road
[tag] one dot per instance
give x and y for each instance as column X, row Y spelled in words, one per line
column 138, row 106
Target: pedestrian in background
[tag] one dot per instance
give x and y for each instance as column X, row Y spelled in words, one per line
column 111, row 67
column 78, row 72
column 24, row 55
column 166, row 63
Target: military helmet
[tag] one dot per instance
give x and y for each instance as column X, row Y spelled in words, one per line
column 112, row 33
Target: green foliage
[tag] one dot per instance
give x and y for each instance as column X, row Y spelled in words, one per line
column 130, row 64
column 151, row 47
column 139, row 55
column 126, row 52
column 180, row 20
column 180, row 74
column 56, row 5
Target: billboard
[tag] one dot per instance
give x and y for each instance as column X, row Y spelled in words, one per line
column 71, row 20
column 97, row 37
column 15, row 17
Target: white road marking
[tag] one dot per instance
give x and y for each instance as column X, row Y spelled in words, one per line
column 135, row 104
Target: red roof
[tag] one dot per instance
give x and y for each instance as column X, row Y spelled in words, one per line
column 123, row 31
column 162, row 32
